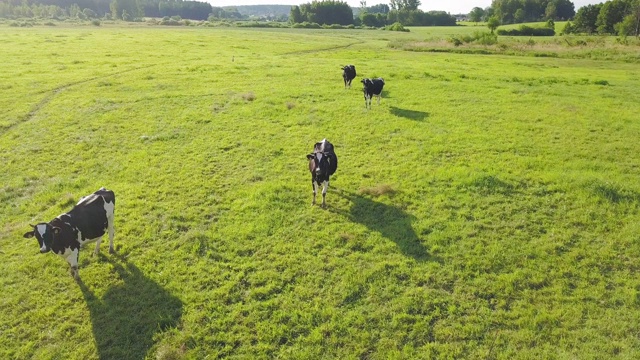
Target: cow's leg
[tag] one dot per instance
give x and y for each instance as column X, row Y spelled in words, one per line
column 111, row 233
column 109, row 209
column 325, row 186
column 72, row 259
column 379, row 97
column 97, row 250
column 313, row 185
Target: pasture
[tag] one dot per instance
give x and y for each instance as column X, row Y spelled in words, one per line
column 487, row 208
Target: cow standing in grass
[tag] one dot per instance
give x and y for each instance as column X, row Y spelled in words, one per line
column 323, row 163
column 348, row 74
column 371, row 88
column 88, row 221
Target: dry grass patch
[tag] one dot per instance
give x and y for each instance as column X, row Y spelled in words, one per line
column 248, row 96
column 377, row 190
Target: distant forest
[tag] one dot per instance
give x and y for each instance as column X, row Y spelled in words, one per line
column 134, row 9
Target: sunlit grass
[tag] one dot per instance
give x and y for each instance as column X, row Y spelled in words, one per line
column 487, row 208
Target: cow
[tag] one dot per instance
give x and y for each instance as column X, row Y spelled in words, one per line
column 348, row 74
column 88, row 221
column 371, row 88
column 323, row 163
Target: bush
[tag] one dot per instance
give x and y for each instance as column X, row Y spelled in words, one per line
column 259, row 24
column 333, row 26
column 95, row 22
column 306, row 25
column 525, row 30
column 396, row 26
column 482, row 38
column 170, row 22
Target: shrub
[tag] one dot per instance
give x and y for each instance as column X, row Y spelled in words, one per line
column 332, row 26
column 95, row 22
column 306, row 25
column 170, row 22
column 482, row 38
column 525, row 30
column 396, row 26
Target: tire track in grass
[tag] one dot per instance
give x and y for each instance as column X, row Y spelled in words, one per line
column 311, row 51
column 52, row 93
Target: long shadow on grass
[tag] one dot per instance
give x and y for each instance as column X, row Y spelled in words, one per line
column 409, row 114
column 128, row 316
column 391, row 222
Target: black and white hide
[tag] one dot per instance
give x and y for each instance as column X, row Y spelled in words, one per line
column 323, row 163
column 348, row 74
column 371, row 88
column 87, row 222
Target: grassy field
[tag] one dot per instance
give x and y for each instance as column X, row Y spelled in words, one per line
column 487, row 208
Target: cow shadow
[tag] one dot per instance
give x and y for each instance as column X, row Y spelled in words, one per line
column 128, row 316
column 391, row 222
column 409, row 114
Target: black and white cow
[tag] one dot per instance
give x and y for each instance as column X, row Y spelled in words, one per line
column 348, row 74
column 89, row 219
column 323, row 163
column 371, row 88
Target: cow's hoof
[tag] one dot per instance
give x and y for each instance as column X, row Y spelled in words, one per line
column 112, row 250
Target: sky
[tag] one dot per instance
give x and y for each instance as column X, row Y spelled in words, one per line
column 450, row 6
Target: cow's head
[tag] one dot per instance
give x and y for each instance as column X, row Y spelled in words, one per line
column 44, row 233
column 318, row 163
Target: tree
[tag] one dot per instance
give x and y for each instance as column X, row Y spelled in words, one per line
column 564, row 9
column 630, row 25
column 380, row 8
column 295, row 15
column 327, row 12
column 405, row 4
column 90, row 14
column 585, row 19
column 493, row 23
column 371, row 19
column 551, row 11
column 476, row 14
column 612, row 12
column 569, row 28
column 518, row 17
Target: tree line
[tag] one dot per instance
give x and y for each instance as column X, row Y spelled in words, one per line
column 621, row 17
column 128, row 10
column 405, row 12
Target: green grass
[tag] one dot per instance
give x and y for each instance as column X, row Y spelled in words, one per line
column 441, row 39
column 487, row 208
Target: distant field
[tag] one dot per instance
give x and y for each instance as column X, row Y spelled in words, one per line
column 488, row 208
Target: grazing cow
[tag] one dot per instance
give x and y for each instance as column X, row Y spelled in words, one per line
column 86, row 222
column 348, row 74
column 323, row 163
column 371, row 88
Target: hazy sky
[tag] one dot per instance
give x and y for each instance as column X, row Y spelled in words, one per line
column 451, row 6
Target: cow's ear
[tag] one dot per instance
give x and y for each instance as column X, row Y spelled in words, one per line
column 309, row 156
column 28, row 235
column 56, row 230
